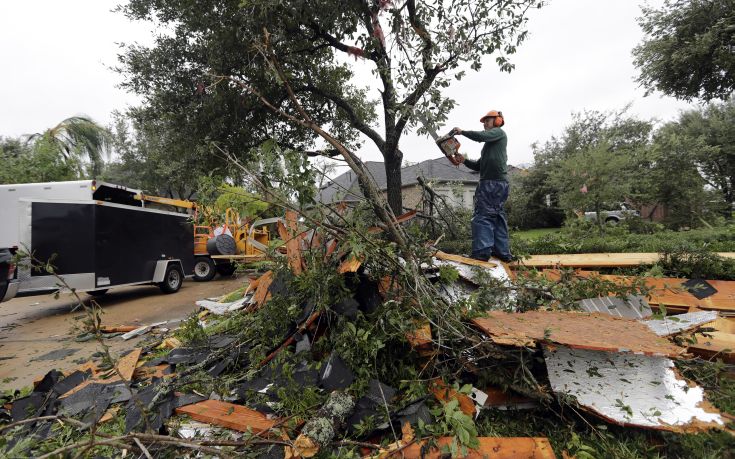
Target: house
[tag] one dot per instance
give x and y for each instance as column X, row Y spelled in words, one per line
column 456, row 184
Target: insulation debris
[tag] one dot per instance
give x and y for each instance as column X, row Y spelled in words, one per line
column 672, row 325
column 223, row 308
column 593, row 331
column 627, row 389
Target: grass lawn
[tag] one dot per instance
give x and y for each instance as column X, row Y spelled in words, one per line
column 533, row 233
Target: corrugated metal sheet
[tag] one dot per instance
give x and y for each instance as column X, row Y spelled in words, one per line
column 632, row 307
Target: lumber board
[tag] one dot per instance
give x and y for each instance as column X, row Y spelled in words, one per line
column 720, row 345
column 464, row 260
column 228, row 415
column 669, row 291
column 494, row 447
column 596, row 260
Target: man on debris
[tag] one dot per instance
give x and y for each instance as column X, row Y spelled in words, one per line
column 489, row 224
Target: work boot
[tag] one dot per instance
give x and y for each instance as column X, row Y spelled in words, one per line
column 480, row 256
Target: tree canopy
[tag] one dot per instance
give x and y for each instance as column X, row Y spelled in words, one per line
column 414, row 48
column 689, row 49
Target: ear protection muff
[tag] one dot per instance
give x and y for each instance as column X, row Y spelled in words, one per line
column 499, row 121
column 497, row 117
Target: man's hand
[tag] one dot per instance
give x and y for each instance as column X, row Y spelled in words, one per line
column 456, row 131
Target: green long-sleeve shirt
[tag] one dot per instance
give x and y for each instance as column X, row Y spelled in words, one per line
column 493, row 164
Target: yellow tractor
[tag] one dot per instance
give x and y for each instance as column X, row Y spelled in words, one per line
column 218, row 247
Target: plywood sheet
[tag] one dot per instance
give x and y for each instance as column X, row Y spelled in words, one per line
column 490, row 447
column 228, row 415
column 580, row 330
column 597, row 260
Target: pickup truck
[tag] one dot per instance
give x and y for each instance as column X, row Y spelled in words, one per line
column 613, row 216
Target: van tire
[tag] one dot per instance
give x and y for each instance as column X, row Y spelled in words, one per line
column 173, row 278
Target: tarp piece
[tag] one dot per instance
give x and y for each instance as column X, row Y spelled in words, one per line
column 632, row 307
column 675, row 324
column 222, row 308
column 579, row 330
column 630, row 389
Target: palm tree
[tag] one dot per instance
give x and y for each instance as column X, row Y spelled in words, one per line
column 78, row 138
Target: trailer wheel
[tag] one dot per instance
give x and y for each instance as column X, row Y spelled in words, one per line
column 226, row 269
column 173, row 279
column 204, row 269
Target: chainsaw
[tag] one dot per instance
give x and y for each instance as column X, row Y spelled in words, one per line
column 447, row 143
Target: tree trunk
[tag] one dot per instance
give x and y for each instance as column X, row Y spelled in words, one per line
column 393, row 162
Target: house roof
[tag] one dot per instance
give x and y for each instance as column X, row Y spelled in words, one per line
column 345, row 187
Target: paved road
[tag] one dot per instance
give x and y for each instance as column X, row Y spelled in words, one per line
column 32, row 327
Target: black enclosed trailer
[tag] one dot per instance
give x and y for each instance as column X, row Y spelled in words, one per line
column 106, row 242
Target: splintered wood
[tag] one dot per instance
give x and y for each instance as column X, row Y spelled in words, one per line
column 490, row 447
column 228, row 415
column 592, row 331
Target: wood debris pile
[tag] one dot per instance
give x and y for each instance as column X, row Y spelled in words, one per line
column 278, row 375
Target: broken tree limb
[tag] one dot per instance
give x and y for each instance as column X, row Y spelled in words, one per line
column 319, row 431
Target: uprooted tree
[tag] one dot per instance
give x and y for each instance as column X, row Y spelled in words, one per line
column 414, row 50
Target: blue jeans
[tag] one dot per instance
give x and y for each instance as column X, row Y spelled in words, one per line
column 489, row 224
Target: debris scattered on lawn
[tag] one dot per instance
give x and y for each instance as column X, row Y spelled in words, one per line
column 374, row 356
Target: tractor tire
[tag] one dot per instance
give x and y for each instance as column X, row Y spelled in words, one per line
column 204, row 269
column 173, row 279
column 226, row 269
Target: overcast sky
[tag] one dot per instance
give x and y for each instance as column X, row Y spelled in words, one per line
column 56, row 57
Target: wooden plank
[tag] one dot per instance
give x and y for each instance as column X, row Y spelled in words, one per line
column 490, row 447
column 118, row 328
column 578, row 330
column 596, row 260
column 293, row 249
column 721, row 345
column 228, row 415
column 261, row 293
column 126, row 365
column 464, row 260
column 239, row 257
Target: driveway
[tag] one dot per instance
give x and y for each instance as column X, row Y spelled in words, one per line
column 38, row 333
